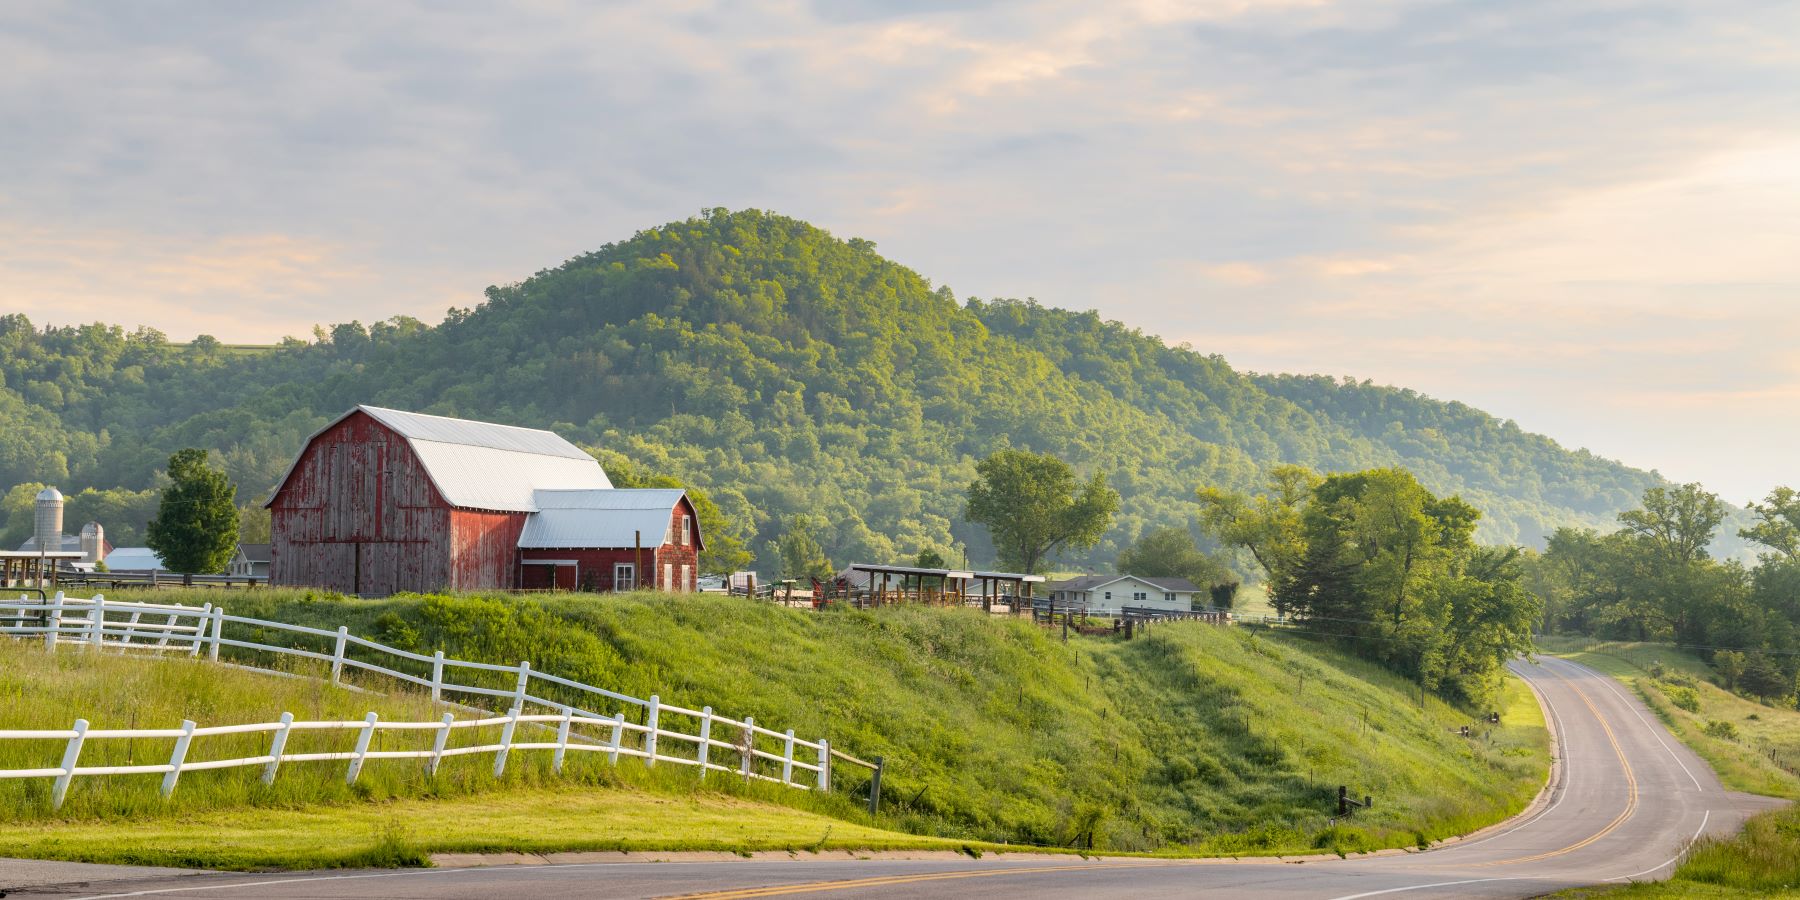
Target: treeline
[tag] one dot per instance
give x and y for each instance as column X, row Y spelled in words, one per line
column 1654, row 579
column 790, row 375
column 1375, row 562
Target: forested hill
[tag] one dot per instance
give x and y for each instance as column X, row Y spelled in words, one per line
column 787, row 372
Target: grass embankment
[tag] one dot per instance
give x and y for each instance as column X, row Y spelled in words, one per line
column 1764, row 859
column 1194, row 739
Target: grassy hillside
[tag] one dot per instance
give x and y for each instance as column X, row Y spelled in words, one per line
column 787, row 372
column 1195, row 738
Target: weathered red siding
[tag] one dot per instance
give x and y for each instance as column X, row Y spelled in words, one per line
column 593, row 569
column 484, row 548
column 359, row 515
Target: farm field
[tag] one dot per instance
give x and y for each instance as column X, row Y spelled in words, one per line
column 1192, row 740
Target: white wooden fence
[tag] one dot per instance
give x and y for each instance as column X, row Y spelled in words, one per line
column 100, row 624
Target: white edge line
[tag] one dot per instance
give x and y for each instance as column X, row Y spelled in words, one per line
column 1421, row 887
column 1704, row 816
column 1561, row 789
column 1612, row 685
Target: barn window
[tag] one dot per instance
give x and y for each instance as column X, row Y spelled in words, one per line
column 687, row 529
column 624, row 576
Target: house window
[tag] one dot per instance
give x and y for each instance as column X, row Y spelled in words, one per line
column 1169, row 598
column 687, row 528
column 1139, row 597
column 624, row 576
column 1109, row 595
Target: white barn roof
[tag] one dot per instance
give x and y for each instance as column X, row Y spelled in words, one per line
column 134, row 559
column 481, row 465
column 600, row 518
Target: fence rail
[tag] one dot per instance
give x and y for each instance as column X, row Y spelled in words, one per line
column 99, row 624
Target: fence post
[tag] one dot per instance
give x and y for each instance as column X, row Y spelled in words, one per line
column 824, row 766
column 96, row 620
column 437, row 745
column 178, row 757
column 362, row 747
column 56, row 610
column 787, row 760
column 650, row 721
column 618, row 735
column 506, row 739
column 705, row 738
column 337, row 656
column 70, row 754
column 562, row 738
column 200, row 626
column 875, row 785
column 277, row 747
column 524, row 682
column 749, row 744
column 218, row 625
column 437, row 676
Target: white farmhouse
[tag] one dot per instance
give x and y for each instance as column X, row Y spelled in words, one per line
column 1113, row 592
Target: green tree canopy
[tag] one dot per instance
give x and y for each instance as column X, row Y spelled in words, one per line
column 1033, row 507
column 1777, row 523
column 1171, row 553
column 800, row 553
column 196, row 524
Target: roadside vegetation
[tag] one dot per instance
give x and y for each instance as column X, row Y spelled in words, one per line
column 1192, row 739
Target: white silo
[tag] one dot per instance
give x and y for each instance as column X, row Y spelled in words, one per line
column 47, row 525
column 93, row 543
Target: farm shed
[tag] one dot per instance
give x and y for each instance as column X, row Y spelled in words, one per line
column 382, row 500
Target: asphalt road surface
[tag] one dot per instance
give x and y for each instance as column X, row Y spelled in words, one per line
column 1627, row 800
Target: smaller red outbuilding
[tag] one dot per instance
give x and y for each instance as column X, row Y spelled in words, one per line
column 611, row 540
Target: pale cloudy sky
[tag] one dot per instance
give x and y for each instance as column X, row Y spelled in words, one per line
column 1581, row 215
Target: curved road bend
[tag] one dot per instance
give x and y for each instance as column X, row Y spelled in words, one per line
column 1630, row 797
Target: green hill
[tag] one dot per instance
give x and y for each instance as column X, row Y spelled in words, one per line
column 787, row 372
column 1194, row 738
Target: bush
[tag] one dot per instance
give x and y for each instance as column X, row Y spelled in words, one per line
column 1725, row 730
column 1683, row 697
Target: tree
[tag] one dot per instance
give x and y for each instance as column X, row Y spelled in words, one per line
column 1678, row 523
column 1730, row 666
column 1033, row 508
column 1777, row 523
column 1170, row 552
column 196, row 524
column 1762, row 679
column 929, row 558
column 254, row 524
column 1268, row 525
column 800, row 553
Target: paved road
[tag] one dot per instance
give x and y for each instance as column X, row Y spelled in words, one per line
column 1629, row 797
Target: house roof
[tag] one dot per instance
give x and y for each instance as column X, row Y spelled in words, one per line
column 481, row 465
column 1090, row 582
column 254, row 552
column 69, row 542
column 134, row 559
column 612, row 518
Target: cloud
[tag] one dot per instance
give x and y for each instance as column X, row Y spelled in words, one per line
column 1552, row 208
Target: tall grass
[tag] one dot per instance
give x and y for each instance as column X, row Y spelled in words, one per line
column 1195, row 737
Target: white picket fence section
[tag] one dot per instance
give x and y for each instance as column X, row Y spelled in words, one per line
column 100, row 624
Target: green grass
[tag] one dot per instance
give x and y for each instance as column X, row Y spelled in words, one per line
column 1743, row 763
column 410, row 831
column 1194, row 739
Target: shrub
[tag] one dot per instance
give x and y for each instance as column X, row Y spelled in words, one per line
column 1683, row 697
column 1719, row 729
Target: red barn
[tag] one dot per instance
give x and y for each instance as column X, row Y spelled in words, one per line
column 381, row 501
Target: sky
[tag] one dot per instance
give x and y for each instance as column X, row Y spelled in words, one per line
column 1583, row 216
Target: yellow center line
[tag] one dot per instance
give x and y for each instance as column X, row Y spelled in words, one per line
column 1631, row 801
column 884, row 880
